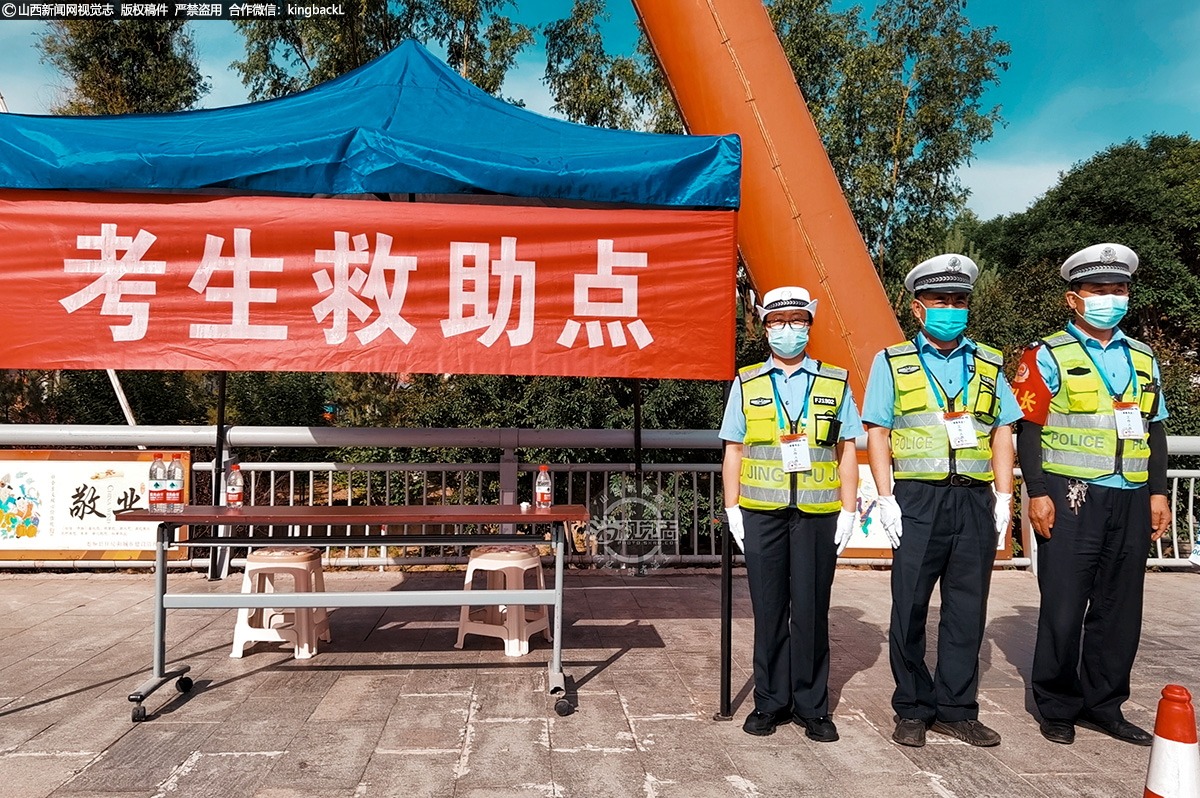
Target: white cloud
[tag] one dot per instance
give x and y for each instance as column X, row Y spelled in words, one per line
column 1008, row 186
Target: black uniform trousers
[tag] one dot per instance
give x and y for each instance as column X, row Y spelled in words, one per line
column 949, row 536
column 790, row 560
column 1091, row 572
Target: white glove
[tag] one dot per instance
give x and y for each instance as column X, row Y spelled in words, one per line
column 1002, row 514
column 736, row 526
column 890, row 519
column 847, row 520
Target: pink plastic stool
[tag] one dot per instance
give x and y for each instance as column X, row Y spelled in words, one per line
column 300, row 627
column 506, row 567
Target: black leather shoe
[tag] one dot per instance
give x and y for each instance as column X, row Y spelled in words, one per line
column 971, row 732
column 1058, row 731
column 760, row 724
column 910, row 732
column 820, row 729
column 1120, row 729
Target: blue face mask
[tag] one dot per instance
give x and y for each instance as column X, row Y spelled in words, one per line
column 945, row 324
column 788, row 342
column 1106, row 311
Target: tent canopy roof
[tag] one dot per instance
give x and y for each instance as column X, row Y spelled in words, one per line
column 403, row 123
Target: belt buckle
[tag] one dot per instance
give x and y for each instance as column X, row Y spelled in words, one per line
column 959, row 481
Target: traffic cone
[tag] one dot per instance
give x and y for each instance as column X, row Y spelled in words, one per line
column 1174, row 770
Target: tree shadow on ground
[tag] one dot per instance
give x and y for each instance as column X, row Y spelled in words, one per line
column 856, row 646
column 1014, row 635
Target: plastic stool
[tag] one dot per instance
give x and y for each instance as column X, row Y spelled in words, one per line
column 300, row 627
column 506, row 567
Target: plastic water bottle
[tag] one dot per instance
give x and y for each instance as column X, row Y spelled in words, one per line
column 174, row 497
column 157, row 494
column 543, row 488
column 233, row 486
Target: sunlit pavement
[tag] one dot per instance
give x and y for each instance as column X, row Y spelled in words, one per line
column 391, row 708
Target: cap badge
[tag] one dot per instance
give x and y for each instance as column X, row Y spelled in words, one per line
column 1108, row 255
column 953, row 265
column 786, row 295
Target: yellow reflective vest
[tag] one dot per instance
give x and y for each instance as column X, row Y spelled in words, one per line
column 920, row 444
column 1079, row 438
column 764, row 483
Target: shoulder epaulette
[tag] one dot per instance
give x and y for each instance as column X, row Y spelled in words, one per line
column 989, row 354
column 1060, row 339
column 833, row 372
column 1139, row 346
column 747, row 373
column 904, row 348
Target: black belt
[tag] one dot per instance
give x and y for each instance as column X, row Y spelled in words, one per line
column 956, row 481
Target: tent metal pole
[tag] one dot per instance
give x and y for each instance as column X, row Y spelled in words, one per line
column 122, row 400
column 218, row 561
column 637, row 425
column 726, row 710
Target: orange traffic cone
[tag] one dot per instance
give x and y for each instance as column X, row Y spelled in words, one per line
column 1175, row 758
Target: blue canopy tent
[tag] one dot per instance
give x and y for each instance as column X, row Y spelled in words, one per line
column 404, row 123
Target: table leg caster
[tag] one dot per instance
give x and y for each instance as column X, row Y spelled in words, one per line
column 139, row 713
column 183, row 684
column 563, row 707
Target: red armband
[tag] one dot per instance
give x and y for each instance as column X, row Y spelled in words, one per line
column 1030, row 389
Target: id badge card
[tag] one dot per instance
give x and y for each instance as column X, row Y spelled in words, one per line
column 961, row 430
column 796, row 456
column 1129, row 421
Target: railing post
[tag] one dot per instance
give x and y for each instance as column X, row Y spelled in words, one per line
column 508, row 473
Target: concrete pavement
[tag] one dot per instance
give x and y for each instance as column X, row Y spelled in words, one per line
column 390, row 708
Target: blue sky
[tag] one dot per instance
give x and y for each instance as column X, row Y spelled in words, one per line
column 1084, row 74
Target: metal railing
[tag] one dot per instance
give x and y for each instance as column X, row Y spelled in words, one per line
column 686, row 498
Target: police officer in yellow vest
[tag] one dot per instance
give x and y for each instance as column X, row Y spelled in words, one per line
column 937, row 412
column 1094, row 459
column 790, row 467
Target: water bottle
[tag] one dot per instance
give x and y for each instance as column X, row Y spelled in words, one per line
column 174, row 497
column 543, row 488
column 233, row 486
column 157, row 495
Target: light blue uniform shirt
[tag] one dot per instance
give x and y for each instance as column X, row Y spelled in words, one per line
column 1114, row 359
column 791, row 392
column 880, row 403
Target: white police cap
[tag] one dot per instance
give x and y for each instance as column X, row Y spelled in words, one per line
column 789, row 297
column 1100, row 263
column 950, row 273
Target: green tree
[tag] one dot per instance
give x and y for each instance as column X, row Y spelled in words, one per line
column 155, row 397
column 818, row 42
column 123, row 66
column 652, row 94
column 24, row 396
column 480, row 43
column 1145, row 195
column 588, row 84
column 287, row 56
column 276, row 398
column 906, row 115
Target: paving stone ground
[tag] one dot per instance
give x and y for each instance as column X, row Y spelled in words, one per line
column 391, row 708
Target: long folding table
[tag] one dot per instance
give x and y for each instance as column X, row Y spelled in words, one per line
column 408, row 517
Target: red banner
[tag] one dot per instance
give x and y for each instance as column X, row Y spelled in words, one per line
column 262, row 283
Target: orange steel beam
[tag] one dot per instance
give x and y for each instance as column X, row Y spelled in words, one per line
column 728, row 72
